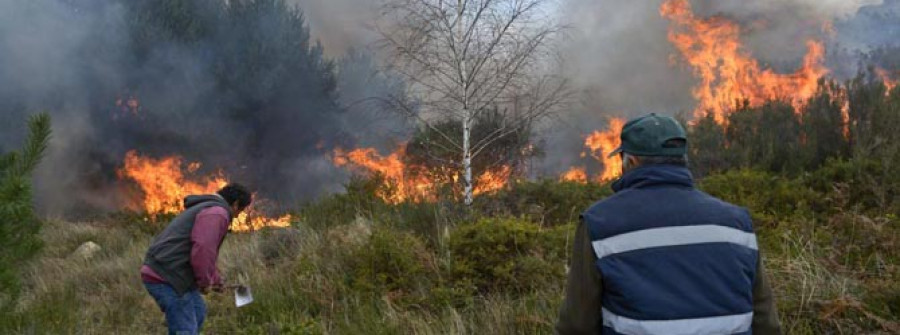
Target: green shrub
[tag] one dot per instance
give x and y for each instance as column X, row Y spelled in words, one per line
column 769, row 198
column 506, row 255
column 338, row 209
column 19, row 227
column 394, row 263
column 858, row 182
column 547, row 201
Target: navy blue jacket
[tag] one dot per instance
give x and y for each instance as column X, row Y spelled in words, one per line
column 673, row 260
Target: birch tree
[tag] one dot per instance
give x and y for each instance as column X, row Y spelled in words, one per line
column 467, row 57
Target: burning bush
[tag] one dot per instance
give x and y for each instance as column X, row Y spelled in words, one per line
column 164, row 183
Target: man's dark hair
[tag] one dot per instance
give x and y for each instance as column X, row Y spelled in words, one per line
column 236, row 193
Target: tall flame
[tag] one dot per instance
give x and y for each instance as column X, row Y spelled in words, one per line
column 164, row 186
column 601, row 144
column 406, row 182
column 598, row 145
column 727, row 72
column 163, row 183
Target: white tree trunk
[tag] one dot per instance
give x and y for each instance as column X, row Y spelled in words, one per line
column 467, row 159
column 467, row 114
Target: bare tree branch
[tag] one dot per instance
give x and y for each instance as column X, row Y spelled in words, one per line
column 465, row 57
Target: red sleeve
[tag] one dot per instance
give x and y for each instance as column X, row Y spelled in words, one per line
column 210, row 226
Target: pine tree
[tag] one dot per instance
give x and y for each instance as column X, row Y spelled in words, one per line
column 19, row 226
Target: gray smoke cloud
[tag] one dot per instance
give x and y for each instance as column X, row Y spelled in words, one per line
column 76, row 59
column 273, row 128
column 341, row 25
column 620, row 51
column 619, row 57
column 41, row 69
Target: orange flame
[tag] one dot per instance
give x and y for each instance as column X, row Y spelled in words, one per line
column 163, row 183
column 575, row 174
column 601, row 144
column 492, row 180
column 727, row 72
column 402, row 185
column 164, row 187
column 886, row 78
column 404, row 182
column 249, row 221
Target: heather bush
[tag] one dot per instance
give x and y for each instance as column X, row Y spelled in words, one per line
column 506, row 255
column 770, row 198
column 392, row 263
column 862, row 183
column 545, row 201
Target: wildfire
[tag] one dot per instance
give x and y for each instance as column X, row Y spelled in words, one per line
column 164, row 186
column 492, row 180
column 599, row 145
column 163, row 183
column 249, row 221
column 727, row 72
column 576, row 174
column 886, row 78
column 405, row 182
column 402, row 184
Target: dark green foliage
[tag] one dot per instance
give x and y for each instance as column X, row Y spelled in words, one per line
column 857, row 183
column 757, row 136
column 506, row 255
column 706, row 151
column 19, row 226
column 545, row 201
column 770, row 198
column 874, row 117
column 360, row 199
column 393, row 263
column 823, row 126
column 855, row 119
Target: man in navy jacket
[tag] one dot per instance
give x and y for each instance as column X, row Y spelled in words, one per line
column 661, row 257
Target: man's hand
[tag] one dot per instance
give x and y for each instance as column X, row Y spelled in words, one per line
column 217, row 288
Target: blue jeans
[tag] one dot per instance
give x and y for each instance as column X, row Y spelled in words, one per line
column 184, row 314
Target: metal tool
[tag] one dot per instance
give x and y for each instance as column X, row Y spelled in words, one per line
column 242, row 295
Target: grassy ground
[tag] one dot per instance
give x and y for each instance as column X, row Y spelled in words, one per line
column 354, row 267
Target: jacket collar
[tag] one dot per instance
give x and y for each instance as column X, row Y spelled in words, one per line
column 652, row 175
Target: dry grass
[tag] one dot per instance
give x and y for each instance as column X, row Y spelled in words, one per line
column 299, row 278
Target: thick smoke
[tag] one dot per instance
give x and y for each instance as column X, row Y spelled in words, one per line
column 620, row 60
column 241, row 89
column 620, row 53
column 341, row 25
column 114, row 79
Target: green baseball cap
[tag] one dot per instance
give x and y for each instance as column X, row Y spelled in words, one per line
column 651, row 135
